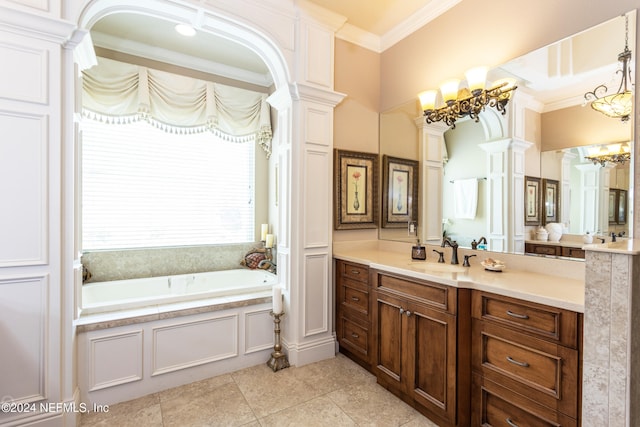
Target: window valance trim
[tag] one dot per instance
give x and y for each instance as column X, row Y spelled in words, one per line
column 118, row 92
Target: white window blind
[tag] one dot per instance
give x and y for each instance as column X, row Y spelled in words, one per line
column 143, row 187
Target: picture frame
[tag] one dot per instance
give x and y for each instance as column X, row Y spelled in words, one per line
column 622, row 207
column 551, row 199
column 532, row 197
column 613, row 206
column 399, row 192
column 356, row 190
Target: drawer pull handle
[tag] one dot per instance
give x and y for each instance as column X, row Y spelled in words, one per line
column 354, row 335
column 355, row 299
column 511, row 423
column 515, row 362
column 516, row 315
column 355, row 272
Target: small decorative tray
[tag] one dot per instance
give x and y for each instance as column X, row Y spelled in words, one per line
column 493, row 265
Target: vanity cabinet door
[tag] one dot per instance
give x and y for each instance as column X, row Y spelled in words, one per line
column 391, row 342
column 431, row 372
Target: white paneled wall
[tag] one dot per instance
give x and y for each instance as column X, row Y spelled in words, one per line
column 31, row 290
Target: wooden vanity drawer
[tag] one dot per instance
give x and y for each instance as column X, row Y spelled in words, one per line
column 543, row 371
column 354, row 298
column 433, row 294
column 538, row 320
column 354, row 337
column 352, row 271
column 495, row 406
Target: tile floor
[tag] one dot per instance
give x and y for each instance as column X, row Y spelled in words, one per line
column 333, row 392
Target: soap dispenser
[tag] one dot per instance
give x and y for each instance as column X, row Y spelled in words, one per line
column 418, row 252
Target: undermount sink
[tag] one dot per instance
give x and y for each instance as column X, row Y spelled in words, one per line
column 436, row 268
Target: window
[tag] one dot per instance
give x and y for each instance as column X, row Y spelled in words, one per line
column 144, row 187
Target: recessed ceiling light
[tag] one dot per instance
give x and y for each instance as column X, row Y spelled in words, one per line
column 186, row 30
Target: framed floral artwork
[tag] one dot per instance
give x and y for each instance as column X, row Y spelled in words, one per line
column 399, row 192
column 356, row 190
column 551, row 200
column 532, row 195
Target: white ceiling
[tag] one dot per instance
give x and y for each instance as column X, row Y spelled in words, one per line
column 543, row 72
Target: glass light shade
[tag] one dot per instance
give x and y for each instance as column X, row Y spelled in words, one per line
column 594, row 150
column 614, row 148
column 185, row 30
column 449, row 90
column 476, row 79
column 617, row 106
column 428, row 99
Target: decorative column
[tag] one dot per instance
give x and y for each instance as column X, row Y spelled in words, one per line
column 431, row 152
column 505, row 182
column 611, row 348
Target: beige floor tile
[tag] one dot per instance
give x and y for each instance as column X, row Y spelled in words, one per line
column 151, row 416
column 195, row 389
column 222, row 406
column 317, row 412
column 268, row 392
column 332, row 374
column 371, row 405
column 120, row 409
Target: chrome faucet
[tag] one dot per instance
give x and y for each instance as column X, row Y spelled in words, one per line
column 454, row 249
column 270, row 265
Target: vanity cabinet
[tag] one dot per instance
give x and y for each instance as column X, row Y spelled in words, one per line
column 417, row 328
column 353, row 311
column 525, row 362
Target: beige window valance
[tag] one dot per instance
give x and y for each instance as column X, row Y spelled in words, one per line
column 118, row 92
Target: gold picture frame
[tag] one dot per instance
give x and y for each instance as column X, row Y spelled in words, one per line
column 399, row 192
column 356, row 190
column 532, row 196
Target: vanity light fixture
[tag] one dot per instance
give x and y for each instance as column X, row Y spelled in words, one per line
column 619, row 104
column 613, row 153
column 185, row 30
column 466, row 101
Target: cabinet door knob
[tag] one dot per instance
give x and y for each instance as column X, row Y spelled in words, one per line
column 517, row 315
column 401, row 310
column 511, row 423
column 515, row 362
column 408, row 313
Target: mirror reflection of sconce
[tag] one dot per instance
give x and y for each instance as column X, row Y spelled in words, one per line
column 613, row 153
column 470, row 100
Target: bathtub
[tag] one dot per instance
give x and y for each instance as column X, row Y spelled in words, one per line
column 101, row 297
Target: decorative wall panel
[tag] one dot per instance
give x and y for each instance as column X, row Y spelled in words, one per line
column 258, row 331
column 23, row 326
column 190, row 344
column 115, row 359
column 23, row 189
column 316, row 294
column 319, row 65
column 26, row 78
column 317, row 130
column 317, row 222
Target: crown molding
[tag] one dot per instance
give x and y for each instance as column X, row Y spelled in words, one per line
column 360, row 37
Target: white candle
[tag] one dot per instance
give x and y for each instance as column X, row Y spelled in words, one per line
column 269, row 241
column 277, row 300
column 263, row 232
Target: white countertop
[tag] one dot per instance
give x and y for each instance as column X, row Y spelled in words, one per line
column 561, row 292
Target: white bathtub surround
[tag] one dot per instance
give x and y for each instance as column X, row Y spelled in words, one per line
column 130, row 294
column 611, row 386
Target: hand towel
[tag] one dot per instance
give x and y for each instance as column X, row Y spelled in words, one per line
column 465, row 195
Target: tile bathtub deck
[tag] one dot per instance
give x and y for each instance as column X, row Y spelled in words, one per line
column 333, row 392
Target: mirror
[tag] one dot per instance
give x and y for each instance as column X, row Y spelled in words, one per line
column 561, row 132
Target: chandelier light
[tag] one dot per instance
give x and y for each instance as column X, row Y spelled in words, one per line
column 612, row 153
column 466, row 101
column 619, row 104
